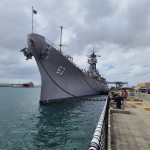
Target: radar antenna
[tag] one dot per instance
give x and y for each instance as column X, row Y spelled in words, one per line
column 93, row 50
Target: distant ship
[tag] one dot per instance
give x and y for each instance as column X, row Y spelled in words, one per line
column 28, row 85
column 60, row 77
column 24, row 85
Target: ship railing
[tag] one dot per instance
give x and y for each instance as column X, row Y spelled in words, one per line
column 57, row 48
column 69, row 58
column 99, row 141
column 52, row 44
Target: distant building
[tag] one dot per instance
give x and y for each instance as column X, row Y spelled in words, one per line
column 16, row 85
column 143, row 85
column 5, row 85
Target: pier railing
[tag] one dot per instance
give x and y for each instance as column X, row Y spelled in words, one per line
column 99, row 141
column 142, row 96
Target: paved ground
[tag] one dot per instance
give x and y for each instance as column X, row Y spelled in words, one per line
column 131, row 131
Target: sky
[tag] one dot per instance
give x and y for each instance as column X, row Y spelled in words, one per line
column 119, row 29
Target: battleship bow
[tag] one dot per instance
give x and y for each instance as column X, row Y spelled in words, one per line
column 60, row 77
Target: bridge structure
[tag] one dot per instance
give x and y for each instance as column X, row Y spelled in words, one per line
column 118, row 83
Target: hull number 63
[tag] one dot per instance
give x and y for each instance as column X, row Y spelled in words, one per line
column 60, row 70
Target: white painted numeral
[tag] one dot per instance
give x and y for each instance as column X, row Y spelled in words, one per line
column 60, row 70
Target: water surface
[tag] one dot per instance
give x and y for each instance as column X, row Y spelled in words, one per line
column 25, row 125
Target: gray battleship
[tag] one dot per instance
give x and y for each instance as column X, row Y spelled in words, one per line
column 60, row 77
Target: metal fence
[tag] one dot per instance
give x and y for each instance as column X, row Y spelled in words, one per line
column 99, row 141
column 142, row 96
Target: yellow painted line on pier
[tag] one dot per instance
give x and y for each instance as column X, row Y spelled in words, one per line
column 147, row 108
column 131, row 99
column 138, row 103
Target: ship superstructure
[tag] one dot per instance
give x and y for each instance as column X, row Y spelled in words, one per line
column 93, row 72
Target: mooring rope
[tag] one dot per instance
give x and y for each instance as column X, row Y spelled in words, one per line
column 81, row 98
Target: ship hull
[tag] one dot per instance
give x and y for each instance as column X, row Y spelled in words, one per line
column 60, row 78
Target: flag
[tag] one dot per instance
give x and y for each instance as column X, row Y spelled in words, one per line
column 34, row 11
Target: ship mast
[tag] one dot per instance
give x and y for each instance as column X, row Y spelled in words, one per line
column 60, row 38
column 32, row 19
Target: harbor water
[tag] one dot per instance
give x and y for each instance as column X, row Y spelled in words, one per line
column 26, row 125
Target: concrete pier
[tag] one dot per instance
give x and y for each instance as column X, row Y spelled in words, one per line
column 131, row 131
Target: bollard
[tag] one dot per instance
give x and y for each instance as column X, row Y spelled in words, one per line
column 118, row 102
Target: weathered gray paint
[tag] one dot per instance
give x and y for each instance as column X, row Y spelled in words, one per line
column 72, row 80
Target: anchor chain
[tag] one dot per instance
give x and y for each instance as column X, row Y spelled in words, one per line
column 79, row 97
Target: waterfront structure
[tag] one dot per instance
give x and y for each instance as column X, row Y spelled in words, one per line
column 5, row 85
column 146, row 84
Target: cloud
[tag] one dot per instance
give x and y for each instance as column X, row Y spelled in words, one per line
column 119, row 29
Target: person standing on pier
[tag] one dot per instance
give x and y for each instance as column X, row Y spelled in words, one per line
column 125, row 94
